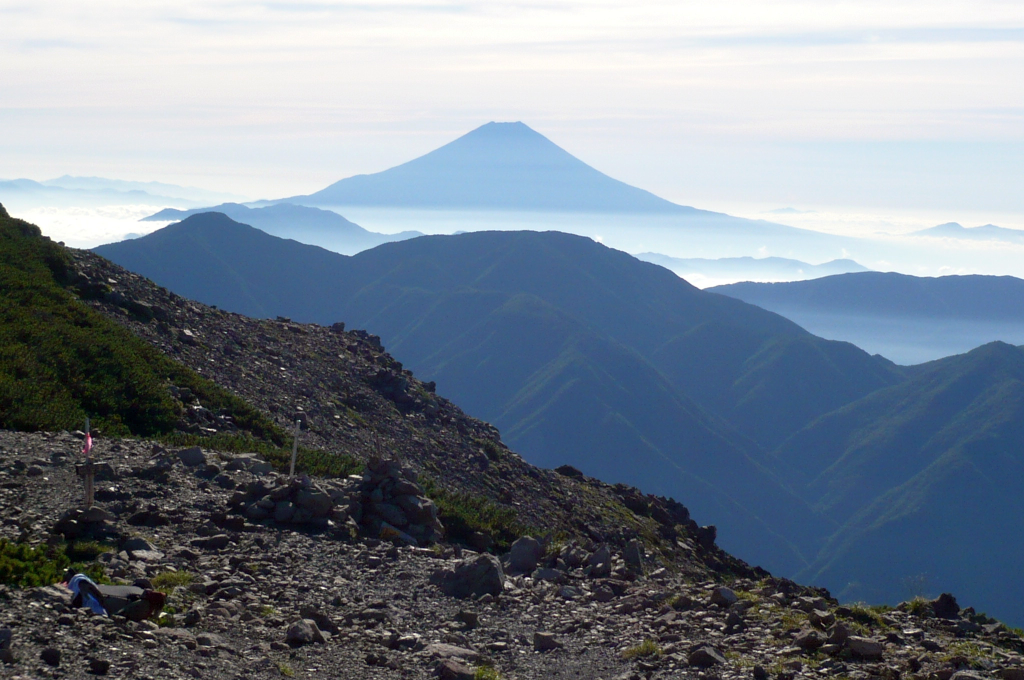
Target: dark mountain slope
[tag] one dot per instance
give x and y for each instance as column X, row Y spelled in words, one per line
column 322, row 228
column 212, row 258
column 510, row 323
column 891, row 294
column 929, row 473
column 504, row 166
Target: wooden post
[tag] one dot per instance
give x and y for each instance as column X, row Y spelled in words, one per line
column 295, row 447
column 90, row 470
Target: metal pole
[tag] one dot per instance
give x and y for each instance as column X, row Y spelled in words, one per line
column 295, row 447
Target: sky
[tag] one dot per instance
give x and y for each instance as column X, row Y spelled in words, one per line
column 906, row 107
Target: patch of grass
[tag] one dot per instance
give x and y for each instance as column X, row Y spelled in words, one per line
column 647, row 648
column 285, row 670
column 969, row 650
column 26, row 566
column 869, row 616
column 169, row 580
column 462, row 514
column 793, row 618
column 490, row 448
column 486, row 672
column 266, row 611
column 919, row 607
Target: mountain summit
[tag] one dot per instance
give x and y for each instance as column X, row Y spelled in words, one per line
column 498, row 166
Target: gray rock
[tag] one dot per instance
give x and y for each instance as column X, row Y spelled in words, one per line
column 545, row 642
column 865, row 648
column 418, row 510
column 6, row 635
column 303, row 632
column 723, row 597
column 445, row 651
column 217, row 542
column 839, row 635
column 599, row 563
column 192, row 457
column 390, row 513
column 56, row 595
column 809, row 639
column 705, row 657
column 99, row 666
column 50, row 656
column 945, row 606
column 472, row 577
column 1012, row 673
column 136, row 543
column 524, row 555
column 450, row 669
column 633, row 553
column 548, row 574
column 317, row 502
column 284, row 511
column 470, row 618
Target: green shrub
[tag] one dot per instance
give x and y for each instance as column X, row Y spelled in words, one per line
column 462, row 514
column 27, row 566
column 61, row 361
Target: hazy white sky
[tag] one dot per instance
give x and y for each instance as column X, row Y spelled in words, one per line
column 905, row 104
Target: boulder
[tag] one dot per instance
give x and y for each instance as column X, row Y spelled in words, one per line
column 705, row 657
column 418, row 510
column 839, row 635
column 633, row 553
column 525, row 555
column 390, row 513
column 809, row 639
column 599, row 563
column 137, row 544
column 318, row 503
column 450, row 669
column 865, row 648
column 945, row 606
column 50, row 656
column 723, row 597
column 217, row 542
column 192, row 457
column 303, row 632
column 545, row 642
column 472, row 577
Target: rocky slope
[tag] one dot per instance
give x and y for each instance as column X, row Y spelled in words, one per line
column 270, row 599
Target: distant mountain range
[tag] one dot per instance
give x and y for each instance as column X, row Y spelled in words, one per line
column 908, row 319
column 23, row 194
column 304, row 224
column 988, row 232
column 750, row 268
column 976, row 297
column 809, row 454
column 503, row 166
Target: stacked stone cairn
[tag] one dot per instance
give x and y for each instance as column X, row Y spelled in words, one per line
column 385, row 502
